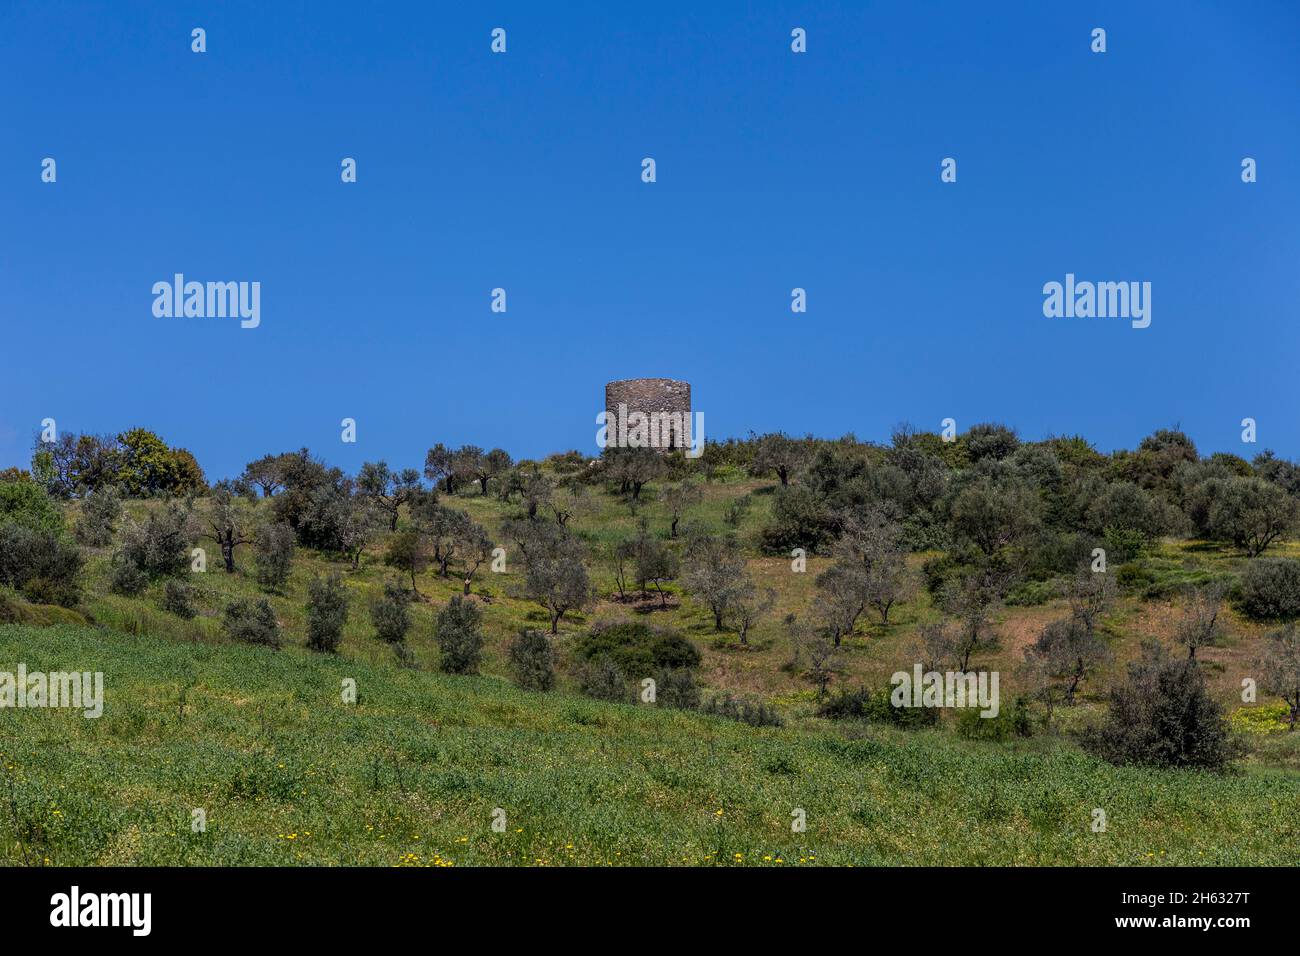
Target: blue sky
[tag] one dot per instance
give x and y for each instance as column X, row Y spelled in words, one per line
column 522, row 171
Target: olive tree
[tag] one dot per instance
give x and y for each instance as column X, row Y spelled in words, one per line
column 715, row 574
column 556, row 578
column 678, row 499
column 1279, row 669
column 388, row 490
column 229, row 522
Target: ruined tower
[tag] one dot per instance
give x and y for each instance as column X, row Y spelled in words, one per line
column 650, row 412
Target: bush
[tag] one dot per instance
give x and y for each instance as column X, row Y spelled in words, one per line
column 1124, row 545
column 327, row 612
column 1163, row 716
column 100, row 512
column 178, row 598
column 800, row 519
column 737, row 509
column 756, row 714
column 389, row 613
column 160, row 545
column 602, row 679
column 939, row 571
column 876, row 706
column 27, row 504
column 274, row 556
column 42, row 564
column 127, row 580
column 638, row 649
column 1156, row 578
column 1270, row 589
column 676, row 688
column 1010, row 722
column 533, row 660
column 251, row 622
column 1033, row 593
column 458, row 636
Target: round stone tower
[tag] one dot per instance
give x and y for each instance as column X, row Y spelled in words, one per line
column 649, row 412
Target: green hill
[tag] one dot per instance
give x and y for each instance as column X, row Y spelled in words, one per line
column 287, row 773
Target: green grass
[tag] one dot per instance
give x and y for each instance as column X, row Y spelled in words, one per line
column 290, row 774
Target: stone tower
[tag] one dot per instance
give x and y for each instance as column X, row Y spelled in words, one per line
column 653, row 412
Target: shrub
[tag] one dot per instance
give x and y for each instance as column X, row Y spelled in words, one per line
column 27, row 504
column 1033, row 593
column 990, row 440
column 159, row 545
column 390, row 615
column 127, row 579
column 1270, row 589
column 756, row 714
column 876, row 706
column 458, row 636
column 1156, row 578
column 251, row 622
column 178, row 598
column 675, row 687
column 1010, row 722
column 737, row 509
column 638, row 649
column 940, row 570
column 42, row 564
column 405, row 658
column 1124, row 544
column 533, row 660
column 800, row 519
column 273, row 555
column 602, row 679
column 327, row 612
column 1163, row 716
column 100, row 512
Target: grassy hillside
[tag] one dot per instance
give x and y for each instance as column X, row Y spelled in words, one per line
column 289, row 774
column 760, row 669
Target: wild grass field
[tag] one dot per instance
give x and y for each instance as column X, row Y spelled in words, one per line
column 412, row 773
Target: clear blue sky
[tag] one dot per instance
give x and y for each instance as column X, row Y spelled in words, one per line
column 775, row 170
